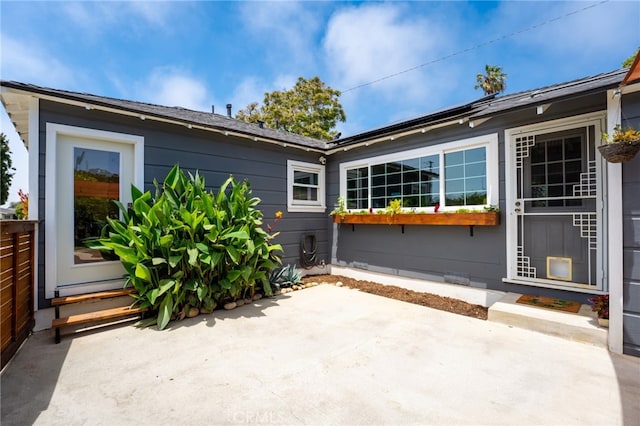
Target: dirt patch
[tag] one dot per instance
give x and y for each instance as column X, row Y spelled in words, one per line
column 425, row 299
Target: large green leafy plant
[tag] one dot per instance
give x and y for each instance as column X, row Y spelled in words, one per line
column 191, row 248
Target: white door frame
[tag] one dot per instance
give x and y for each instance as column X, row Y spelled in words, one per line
column 597, row 120
column 53, row 133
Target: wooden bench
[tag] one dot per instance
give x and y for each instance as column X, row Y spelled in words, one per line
column 89, row 317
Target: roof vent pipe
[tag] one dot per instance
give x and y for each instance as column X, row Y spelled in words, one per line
column 213, row 109
column 229, row 110
column 261, row 124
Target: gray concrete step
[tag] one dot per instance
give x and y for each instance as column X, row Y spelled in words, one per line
column 581, row 326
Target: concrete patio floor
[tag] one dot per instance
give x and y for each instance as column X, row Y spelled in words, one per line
column 324, row 355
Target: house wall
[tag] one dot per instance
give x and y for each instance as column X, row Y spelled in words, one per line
column 631, row 233
column 214, row 155
column 445, row 253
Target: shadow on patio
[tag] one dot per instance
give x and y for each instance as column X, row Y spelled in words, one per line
column 32, row 377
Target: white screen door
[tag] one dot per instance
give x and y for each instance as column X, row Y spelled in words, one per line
column 556, row 231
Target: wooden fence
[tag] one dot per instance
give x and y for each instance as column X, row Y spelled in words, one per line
column 17, row 248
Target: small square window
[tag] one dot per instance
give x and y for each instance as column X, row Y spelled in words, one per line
column 305, row 187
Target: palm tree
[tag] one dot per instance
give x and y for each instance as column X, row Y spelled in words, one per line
column 493, row 81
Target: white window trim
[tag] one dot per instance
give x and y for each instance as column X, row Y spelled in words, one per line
column 490, row 141
column 52, row 132
column 306, row 206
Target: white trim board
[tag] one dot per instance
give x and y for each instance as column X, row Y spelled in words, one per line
column 615, row 232
column 53, row 131
column 34, row 188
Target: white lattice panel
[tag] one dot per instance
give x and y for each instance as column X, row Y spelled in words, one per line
column 523, row 145
column 587, row 185
column 588, row 224
column 523, row 266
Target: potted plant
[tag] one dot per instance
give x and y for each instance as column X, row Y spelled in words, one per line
column 621, row 146
column 600, row 305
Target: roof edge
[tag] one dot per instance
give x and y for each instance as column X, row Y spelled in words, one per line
column 81, row 98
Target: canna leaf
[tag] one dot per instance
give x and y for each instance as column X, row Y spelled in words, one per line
column 193, row 256
column 233, row 253
column 143, row 273
column 166, row 240
column 165, row 285
column 240, row 235
column 164, row 313
column 174, row 260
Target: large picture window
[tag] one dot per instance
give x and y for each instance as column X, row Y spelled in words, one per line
column 305, row 187
column 452, row 175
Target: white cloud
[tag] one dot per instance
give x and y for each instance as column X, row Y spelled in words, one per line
column 575, row 33
column 575, row 24
column 99, row 17
column 157, row 13
column 286, row 30
column 29, row 63
column 174, row 87
column 285, row 82
column 251, row 89
column 366, row 43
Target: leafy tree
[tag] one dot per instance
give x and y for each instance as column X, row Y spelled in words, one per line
column 493, row 81
column 629, row 61
column 310, row 108
column 6, row 174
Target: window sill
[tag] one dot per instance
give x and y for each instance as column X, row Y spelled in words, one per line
column 306, row 209
column 471, row 218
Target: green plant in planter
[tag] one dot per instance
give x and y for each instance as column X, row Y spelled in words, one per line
column 340, row 209
column 394, row 207
column 620, row 135
column 620, row 146
column 190, row 248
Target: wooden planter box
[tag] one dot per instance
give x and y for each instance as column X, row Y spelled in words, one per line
column 471, row 219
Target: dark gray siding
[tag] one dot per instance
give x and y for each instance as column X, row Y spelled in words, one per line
column 631, row 234
column 215, row 156
column 444, row 253
column 439, row 253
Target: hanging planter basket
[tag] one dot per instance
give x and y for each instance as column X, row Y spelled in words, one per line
column 619, row 152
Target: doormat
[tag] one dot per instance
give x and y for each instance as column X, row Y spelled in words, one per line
column 549, row 303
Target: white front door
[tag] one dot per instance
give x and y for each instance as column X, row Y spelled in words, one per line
column 554, row 207
column 91, row 170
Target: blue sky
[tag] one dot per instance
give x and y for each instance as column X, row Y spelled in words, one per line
column 198, row 54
